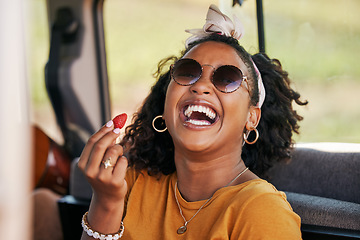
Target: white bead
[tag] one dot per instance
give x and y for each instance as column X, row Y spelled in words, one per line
column 96, row 235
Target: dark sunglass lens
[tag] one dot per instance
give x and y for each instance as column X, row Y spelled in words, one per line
column 186, row 71
column 227, row 78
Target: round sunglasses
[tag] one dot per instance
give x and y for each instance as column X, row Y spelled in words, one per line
column 226, row 78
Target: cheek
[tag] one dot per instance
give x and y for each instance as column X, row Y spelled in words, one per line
column 236, row 112
column 173, row 94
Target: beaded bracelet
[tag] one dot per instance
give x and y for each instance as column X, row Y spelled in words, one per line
column 94, row 234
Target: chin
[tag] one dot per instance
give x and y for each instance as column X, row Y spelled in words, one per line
column 195, row 144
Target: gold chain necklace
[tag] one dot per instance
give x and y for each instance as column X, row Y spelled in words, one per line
column 183, row 228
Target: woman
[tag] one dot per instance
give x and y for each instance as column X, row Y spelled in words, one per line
column 192, row 169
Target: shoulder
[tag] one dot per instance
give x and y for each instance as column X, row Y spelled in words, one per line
column 267, row 212
column 258, row 189
column 252, row 190
column 263, row 198
column 131, row 176
column 254, row 197
column 142, row 177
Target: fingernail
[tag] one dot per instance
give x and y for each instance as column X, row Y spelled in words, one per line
column 109, row 123
column 116, row 130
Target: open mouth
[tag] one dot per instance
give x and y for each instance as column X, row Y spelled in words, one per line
column 199, row 115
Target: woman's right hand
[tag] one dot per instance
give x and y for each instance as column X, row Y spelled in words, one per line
column 108, row 184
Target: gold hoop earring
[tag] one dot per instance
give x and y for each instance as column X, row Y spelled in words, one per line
column 163, row 123
column 256, row 137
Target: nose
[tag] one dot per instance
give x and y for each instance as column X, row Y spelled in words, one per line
column 204, row 85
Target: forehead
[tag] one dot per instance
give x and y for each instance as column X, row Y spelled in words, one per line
column 216, row 54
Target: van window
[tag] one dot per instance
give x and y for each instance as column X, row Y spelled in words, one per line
column 315, row 41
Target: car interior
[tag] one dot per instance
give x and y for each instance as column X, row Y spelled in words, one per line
column 322, row 180
column 328, row 201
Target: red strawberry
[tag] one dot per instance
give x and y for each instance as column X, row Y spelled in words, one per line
column 119, row 120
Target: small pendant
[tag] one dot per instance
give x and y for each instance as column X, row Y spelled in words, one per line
column 181, row 230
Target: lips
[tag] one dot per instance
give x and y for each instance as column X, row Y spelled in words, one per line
column 199, row 115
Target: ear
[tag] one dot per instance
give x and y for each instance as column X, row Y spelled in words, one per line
column 253, row 118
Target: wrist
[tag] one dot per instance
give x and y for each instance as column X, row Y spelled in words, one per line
column 107, row 204
column 105, row 217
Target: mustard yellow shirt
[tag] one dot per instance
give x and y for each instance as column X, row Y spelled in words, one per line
column 252, row 210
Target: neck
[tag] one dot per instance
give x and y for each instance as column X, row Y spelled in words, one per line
column 199, row 180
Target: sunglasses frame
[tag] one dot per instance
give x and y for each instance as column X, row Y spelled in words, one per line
column 243, row 80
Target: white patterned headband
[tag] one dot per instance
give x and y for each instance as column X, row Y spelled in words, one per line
column 217, row 22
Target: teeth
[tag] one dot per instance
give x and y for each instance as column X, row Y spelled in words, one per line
column 202, row 109
column 198, row 122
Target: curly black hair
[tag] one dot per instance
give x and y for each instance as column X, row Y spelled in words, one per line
column 148, row 149
column 278, row 118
